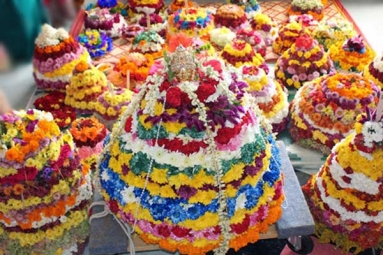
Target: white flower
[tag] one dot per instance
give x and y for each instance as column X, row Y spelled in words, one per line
column 105, row 176
column 240, row 203
column 63, row 219
column 128, row 195
column 372, row 132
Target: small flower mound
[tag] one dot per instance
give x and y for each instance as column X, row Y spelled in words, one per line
column 353, row 55
column 314, row 8
column 324, row 110
column 97, row 43
column 345, row 197
column 303, row 62
column 44, row 188
column 101, row 19
column 149, row 42
column 287, row 35
column 264, row 25
column 374, row 71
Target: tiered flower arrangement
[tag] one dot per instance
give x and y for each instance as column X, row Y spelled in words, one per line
column 324, row 110
column 254, row 39
column 131, row 31
column 97, row 43
column 44, row 191
column 112, row 103
column 268, row 95
column 136, row 65
column 145, row 6
column 305, row 20
column 84, row 88
column 265, row 25
column 353, row 55
column 179, row 4
column 231, row 16
column 303, row 62
column 157, row 24
column 194, row 21
column 251, row 7
column 314, row 8
column 190, row 166
column 53, row 102
column 334, row 30
column 287, row 35
column 219, row 37
column 374, row 71
column 345, row 197
column 239, row 52
column 101, row 19
column 55, row 56
column 88, row 134
column 149, row 42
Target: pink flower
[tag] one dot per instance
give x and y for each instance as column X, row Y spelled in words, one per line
column 302, row 77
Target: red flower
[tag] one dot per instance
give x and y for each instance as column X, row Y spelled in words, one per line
column 180, row 232
column 113, row 205
column 215, row 64
column 128, row 125
column 164, row 231
column 204, row 91
column 164, row 85
column 304, row 41
column 225, row 134
column 173, row 97
column 241, row 227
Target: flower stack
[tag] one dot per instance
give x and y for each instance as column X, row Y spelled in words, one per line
column 251, row 7
column 239, row 52
column 112, row 103
column 287, row 35
column 149, row 42
column 268, row 95
column 254, row 39
column 101, row 19
column 55, row 56
column 44, row 191
column 193, row 21
column 191, row 167
column 304, row 61
column 332, row 31
column 53, row 102
column 314, row 8
column 264, row 25
column 157, row 24
column 97, row 43
column 88, row 134
column 231, row 16
column 324, row 110
column 145, row 7
column 345, row 196
column 84, row 88
column 374, row 71
column 353, row 55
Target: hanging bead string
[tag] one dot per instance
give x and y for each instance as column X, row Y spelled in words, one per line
column 224, row 222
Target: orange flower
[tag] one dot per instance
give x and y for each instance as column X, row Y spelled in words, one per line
column 82, row 66
column 179, row 39
column 7, row 191
column 18, row 189
column 14, row 154
column 48, row 49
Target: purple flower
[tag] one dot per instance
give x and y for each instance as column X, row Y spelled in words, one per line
column 186, row 192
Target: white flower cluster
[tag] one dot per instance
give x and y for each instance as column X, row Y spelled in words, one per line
column 378, row 63
column 372, row 132
column 50, row 36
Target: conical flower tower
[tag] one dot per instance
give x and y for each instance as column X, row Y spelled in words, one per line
column 191, row 168
column 345, row 196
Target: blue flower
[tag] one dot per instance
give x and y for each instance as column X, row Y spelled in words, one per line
column 177, row 214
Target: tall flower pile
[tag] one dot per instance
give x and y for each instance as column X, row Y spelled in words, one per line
column 190, row 166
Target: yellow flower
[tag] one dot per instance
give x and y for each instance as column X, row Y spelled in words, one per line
column 159, row 175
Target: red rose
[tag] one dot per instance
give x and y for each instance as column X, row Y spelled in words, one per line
column 164, row 85
column 204, row 91
column 173, row 97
